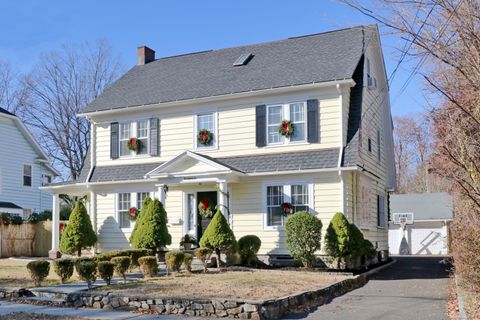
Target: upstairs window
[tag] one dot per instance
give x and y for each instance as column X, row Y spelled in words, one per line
column 369, row 144
column 296, row 113
column 379, row 143
column 138, row 130
column 371, row 80
column 27, row 175
column 206, row 121
column 46, row 179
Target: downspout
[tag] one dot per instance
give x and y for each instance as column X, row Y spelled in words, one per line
column 340, row 153
column 93, row 200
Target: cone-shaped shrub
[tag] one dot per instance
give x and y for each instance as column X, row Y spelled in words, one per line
column 151, row 230
column 356, row 242
column 337, row 238
column 78, row 233
column 145, row 204
column 304, row 236
column 218, row 236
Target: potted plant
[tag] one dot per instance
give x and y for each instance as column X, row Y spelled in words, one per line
column 188, row 241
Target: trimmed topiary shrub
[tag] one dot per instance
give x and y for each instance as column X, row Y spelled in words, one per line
column 337, row 238
column 187, row 262
column 78, row 233
column 248, row 247
column 149, row 266
column 304, row 236
column 356, row 242
column 151, row 230
column 203, row 254
column 38, row 271
column 105, row 270
column 136, row 254
column 63, row 268
column 121, row 265
column 87, row 271
column 174, row 260
column 218, row 236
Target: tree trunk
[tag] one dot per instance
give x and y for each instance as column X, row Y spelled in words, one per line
column 79, row 252
column 218, row 258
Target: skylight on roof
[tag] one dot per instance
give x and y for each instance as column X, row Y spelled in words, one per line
column 243, row 59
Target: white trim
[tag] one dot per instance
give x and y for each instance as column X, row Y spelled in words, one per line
column 252, row 93
column 215, row 130
column 285, row 115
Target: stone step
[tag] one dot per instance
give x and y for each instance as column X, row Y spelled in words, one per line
column 46, row 301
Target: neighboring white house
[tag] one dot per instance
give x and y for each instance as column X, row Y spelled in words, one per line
column 331, row 86
column 429, row 232
column 24, row 167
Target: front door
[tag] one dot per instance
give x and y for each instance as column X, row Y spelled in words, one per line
column 195, row 223
column 205, row 199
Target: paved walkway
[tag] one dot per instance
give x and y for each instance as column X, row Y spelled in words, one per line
column 413, row 288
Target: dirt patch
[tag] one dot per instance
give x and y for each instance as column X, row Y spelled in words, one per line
column 251, row 285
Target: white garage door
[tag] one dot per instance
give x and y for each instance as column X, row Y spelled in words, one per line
column 421, row 238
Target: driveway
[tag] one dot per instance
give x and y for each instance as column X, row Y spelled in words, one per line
column 413, row 288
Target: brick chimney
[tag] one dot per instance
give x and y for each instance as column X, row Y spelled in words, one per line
column 145, row 55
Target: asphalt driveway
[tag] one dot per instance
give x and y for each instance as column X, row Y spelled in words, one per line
column 412, row 288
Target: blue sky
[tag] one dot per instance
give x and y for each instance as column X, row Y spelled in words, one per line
column 30, row 27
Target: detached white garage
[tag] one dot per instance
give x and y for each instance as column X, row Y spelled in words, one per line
column 425, row 229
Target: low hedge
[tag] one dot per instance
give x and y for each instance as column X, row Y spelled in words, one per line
column 174, row 260
column 64, row 268
column 38, row 271
column 105, row 271
column 121, row 265
column 149, row 265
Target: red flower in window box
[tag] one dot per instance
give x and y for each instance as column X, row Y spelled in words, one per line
column 286, row 128
column 287, row 208
column 134, row 144
column 133, row 213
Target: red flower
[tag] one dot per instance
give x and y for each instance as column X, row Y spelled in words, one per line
column 204, row 136
column 133, row 212
column 205, row 203
column 132, row 140
column 285, row 126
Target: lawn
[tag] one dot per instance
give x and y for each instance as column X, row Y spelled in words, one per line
column 251, row 285
column 14, row 274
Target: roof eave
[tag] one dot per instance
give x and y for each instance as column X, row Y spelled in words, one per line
column 345, row 82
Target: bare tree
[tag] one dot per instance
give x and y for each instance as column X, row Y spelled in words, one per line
column 12, row 95
column 58, row 88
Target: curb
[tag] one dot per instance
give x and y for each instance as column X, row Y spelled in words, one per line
column 461, row 303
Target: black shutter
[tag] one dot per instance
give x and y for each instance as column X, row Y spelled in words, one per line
column 154, row 137
column 261, row 125
column 114, row 140
column 313, row 128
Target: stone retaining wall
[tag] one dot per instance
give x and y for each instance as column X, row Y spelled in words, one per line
column 243, row 309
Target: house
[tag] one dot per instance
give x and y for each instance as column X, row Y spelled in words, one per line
column 208, row 125
column 427, row 231
column 24, row 167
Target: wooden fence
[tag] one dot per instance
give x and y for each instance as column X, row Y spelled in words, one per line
column 26, row 239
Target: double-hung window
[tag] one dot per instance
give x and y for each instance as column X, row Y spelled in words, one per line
column 206, row 121
column 125, row 202
column 27, row 175
column 138, row 130
column 296, row 113
column 298, row 195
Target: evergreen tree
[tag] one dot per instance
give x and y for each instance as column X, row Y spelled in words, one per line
column 78, row 233
column 337, row 238
column 145, row 203
column 218, row 236
column 151, row 231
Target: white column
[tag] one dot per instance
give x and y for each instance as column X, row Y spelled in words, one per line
column 223, row 198
column 93, row 215
column 161, row 193
column 54, row 253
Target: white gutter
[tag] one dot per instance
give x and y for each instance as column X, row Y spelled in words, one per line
column 276, row 173
column 251, row 93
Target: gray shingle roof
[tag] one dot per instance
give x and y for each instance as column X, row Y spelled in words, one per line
column 6, row 112
column 425, row 206
column 276, row 162
column 9, row 205
column 287, row 161
column 301, row 60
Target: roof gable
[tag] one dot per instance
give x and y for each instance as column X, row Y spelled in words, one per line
column 295, row 61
